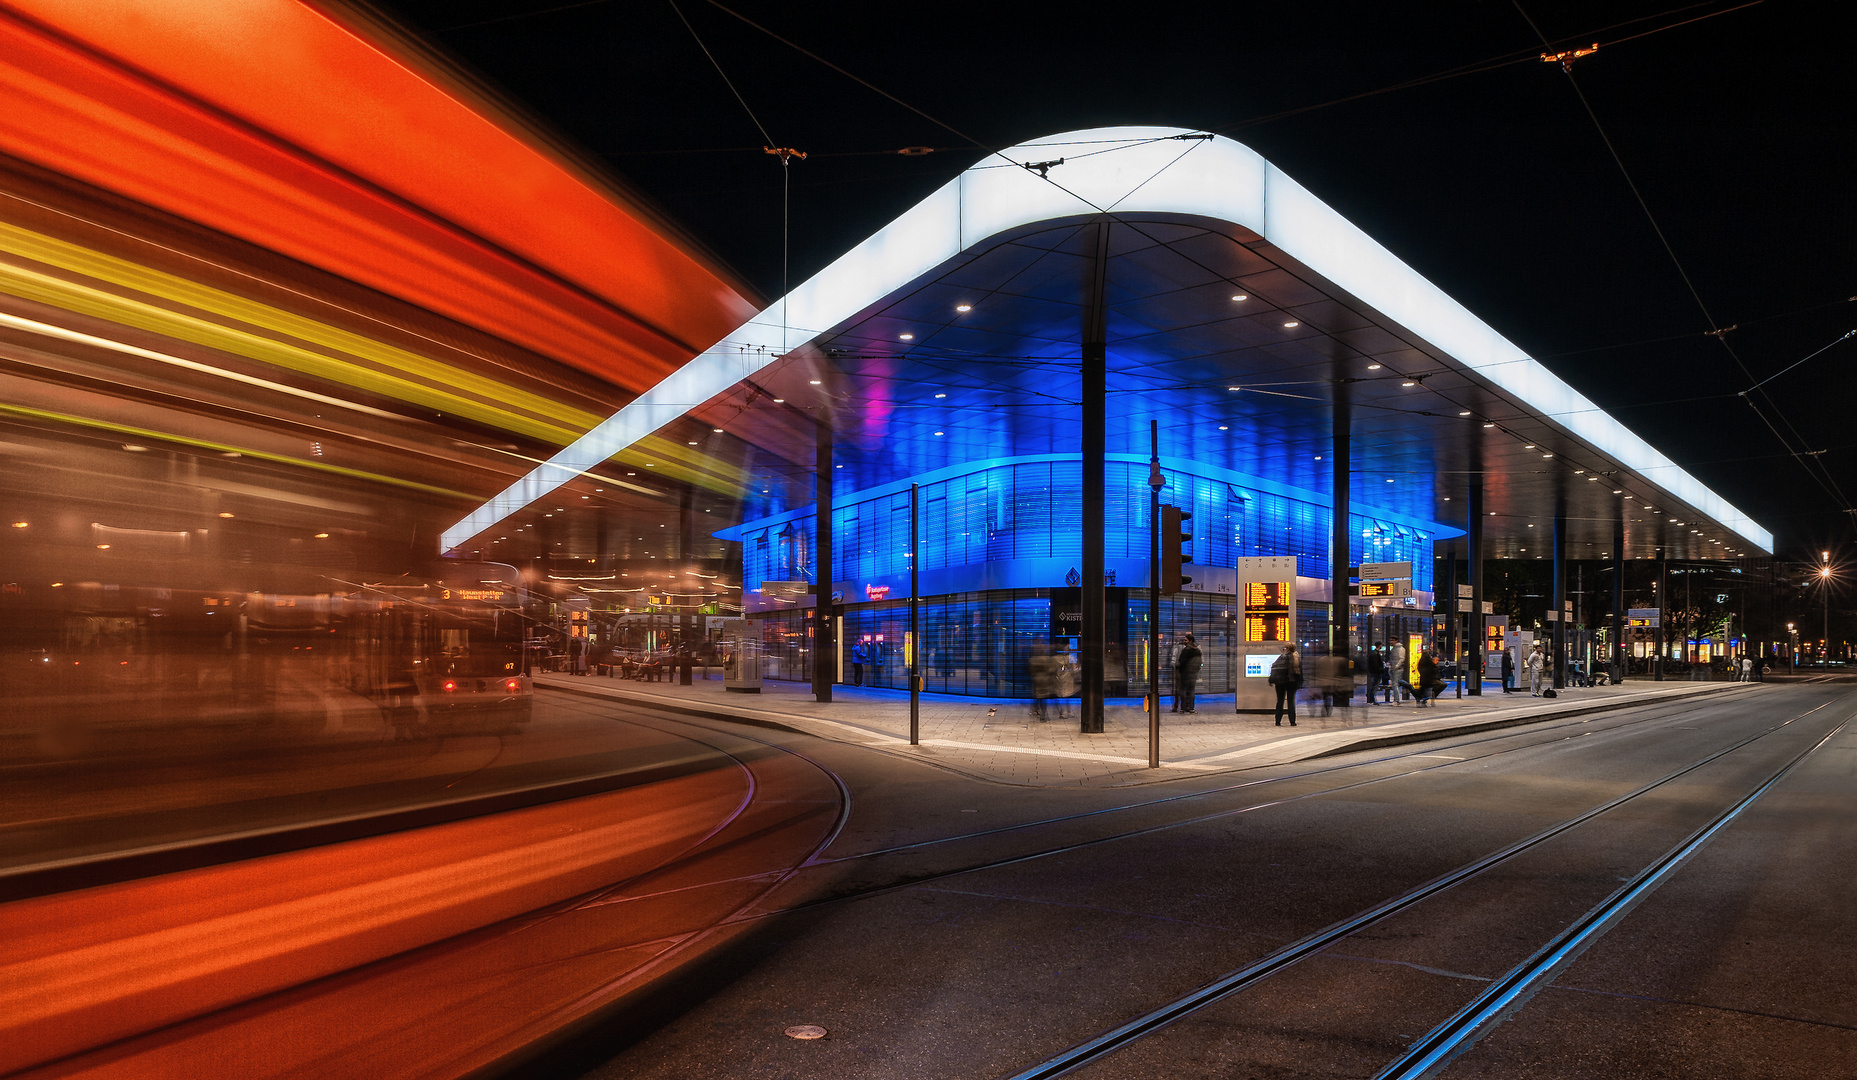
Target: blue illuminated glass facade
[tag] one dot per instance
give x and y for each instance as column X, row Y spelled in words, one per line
column 997, row 537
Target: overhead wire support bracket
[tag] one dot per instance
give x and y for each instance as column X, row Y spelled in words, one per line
column 1040, row 167
column 1566, row 59
column 784, row 153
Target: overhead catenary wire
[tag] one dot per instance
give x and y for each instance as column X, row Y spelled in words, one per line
column 1806, row 460
column 1197, row 136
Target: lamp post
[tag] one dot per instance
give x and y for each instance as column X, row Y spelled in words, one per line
column 1824, row 587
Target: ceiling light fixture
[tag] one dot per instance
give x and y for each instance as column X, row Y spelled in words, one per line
column 1240, row 297
column 907, row 337
column 1291, row 325
column 963, row 308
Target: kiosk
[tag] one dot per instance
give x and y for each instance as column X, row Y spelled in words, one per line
column 741, row 665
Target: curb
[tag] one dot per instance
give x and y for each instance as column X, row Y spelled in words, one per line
column 1200, row 765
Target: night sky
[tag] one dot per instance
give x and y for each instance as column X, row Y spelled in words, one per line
column 1494, row 181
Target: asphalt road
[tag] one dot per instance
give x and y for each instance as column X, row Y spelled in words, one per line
column 963, row 929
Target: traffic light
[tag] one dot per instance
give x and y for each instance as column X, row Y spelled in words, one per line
column 1173, row 535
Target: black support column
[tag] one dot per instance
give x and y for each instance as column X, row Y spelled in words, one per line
column 1474, row 527
column 1095, row 434
column 1339, row 542
column 1619, row 661
column 824, row 641
column 1663, row 615
column 1560, row 597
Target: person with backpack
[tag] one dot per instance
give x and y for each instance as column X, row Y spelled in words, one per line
column 1286, row 676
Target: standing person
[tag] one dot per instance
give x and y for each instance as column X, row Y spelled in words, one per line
column 1376, row 672
column 1186, row 673
column 1286, row 676
column 1401, row 673
column 1508, row 671
column 859, row 651
column 1536, row 664
column 1429, row 684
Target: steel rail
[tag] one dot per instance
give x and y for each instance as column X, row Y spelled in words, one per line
column 1288, row 955
column 1513, row 990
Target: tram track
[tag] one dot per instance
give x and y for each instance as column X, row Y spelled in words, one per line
column 1503, row 995
column 1525, row 740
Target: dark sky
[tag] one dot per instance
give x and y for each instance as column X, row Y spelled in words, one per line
column 1494, row 183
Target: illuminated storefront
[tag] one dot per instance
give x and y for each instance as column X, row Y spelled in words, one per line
column 1000, row 571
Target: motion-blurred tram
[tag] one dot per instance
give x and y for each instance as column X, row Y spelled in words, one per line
column 444, row 652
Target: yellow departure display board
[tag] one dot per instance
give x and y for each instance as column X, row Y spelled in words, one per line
column 1267, row 611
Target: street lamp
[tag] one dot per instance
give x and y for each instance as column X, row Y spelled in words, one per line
column 1824, row 586
column 1792, row 648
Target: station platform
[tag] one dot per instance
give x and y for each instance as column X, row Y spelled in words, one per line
column 999, row 740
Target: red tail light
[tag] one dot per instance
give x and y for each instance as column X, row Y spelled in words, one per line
column 450, row 685
column 513, row 685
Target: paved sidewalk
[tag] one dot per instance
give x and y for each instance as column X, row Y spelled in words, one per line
column 998, row 740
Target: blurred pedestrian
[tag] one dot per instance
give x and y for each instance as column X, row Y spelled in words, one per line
column 1508, row 671
column 1536, row 664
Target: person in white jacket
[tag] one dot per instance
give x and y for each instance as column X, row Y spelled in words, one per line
column 1537, row 665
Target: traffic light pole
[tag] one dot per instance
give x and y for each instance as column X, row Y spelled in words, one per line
column 1155, row 482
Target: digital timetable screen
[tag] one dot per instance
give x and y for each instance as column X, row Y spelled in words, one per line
column 1267, row 611
column 1267, row 594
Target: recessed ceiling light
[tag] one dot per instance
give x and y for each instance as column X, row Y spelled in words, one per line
column 1578, row 472
column 814, row 382
column 1618, row 491
column 1549, row 455
column 1447, row 498
column 1233, row 388
column 938, row 433
column 1373, row 367
column 1389, row 479
column 1528, row 446
column 103, row 547
column 941, row 395
column 907, row 337
column 225, row 513
column 1239, row 297
column 1409, row 382
column 1291, row 325
column 322, row 536
column 1466, row 412
column 692, row 443
column 1223, row 427
column 134, row 448
column 780, row 401
column 963, row 307
column 1489, row 423
column 1531, row 525
column 717, row 430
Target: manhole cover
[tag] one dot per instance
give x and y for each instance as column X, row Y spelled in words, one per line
column 806, row 1031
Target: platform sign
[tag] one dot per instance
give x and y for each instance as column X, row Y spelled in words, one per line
column 1384, row 571
column 1400, row 587
column 1644, row 617
column 1267, row 611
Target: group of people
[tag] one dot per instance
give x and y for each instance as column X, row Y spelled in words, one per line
column 1330, row 675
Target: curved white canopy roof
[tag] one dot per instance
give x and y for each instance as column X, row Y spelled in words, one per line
column 1131, row 170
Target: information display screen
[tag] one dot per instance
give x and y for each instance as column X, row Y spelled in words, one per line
column 1257, row 664
column 1267, row 611
column 1267, row 594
